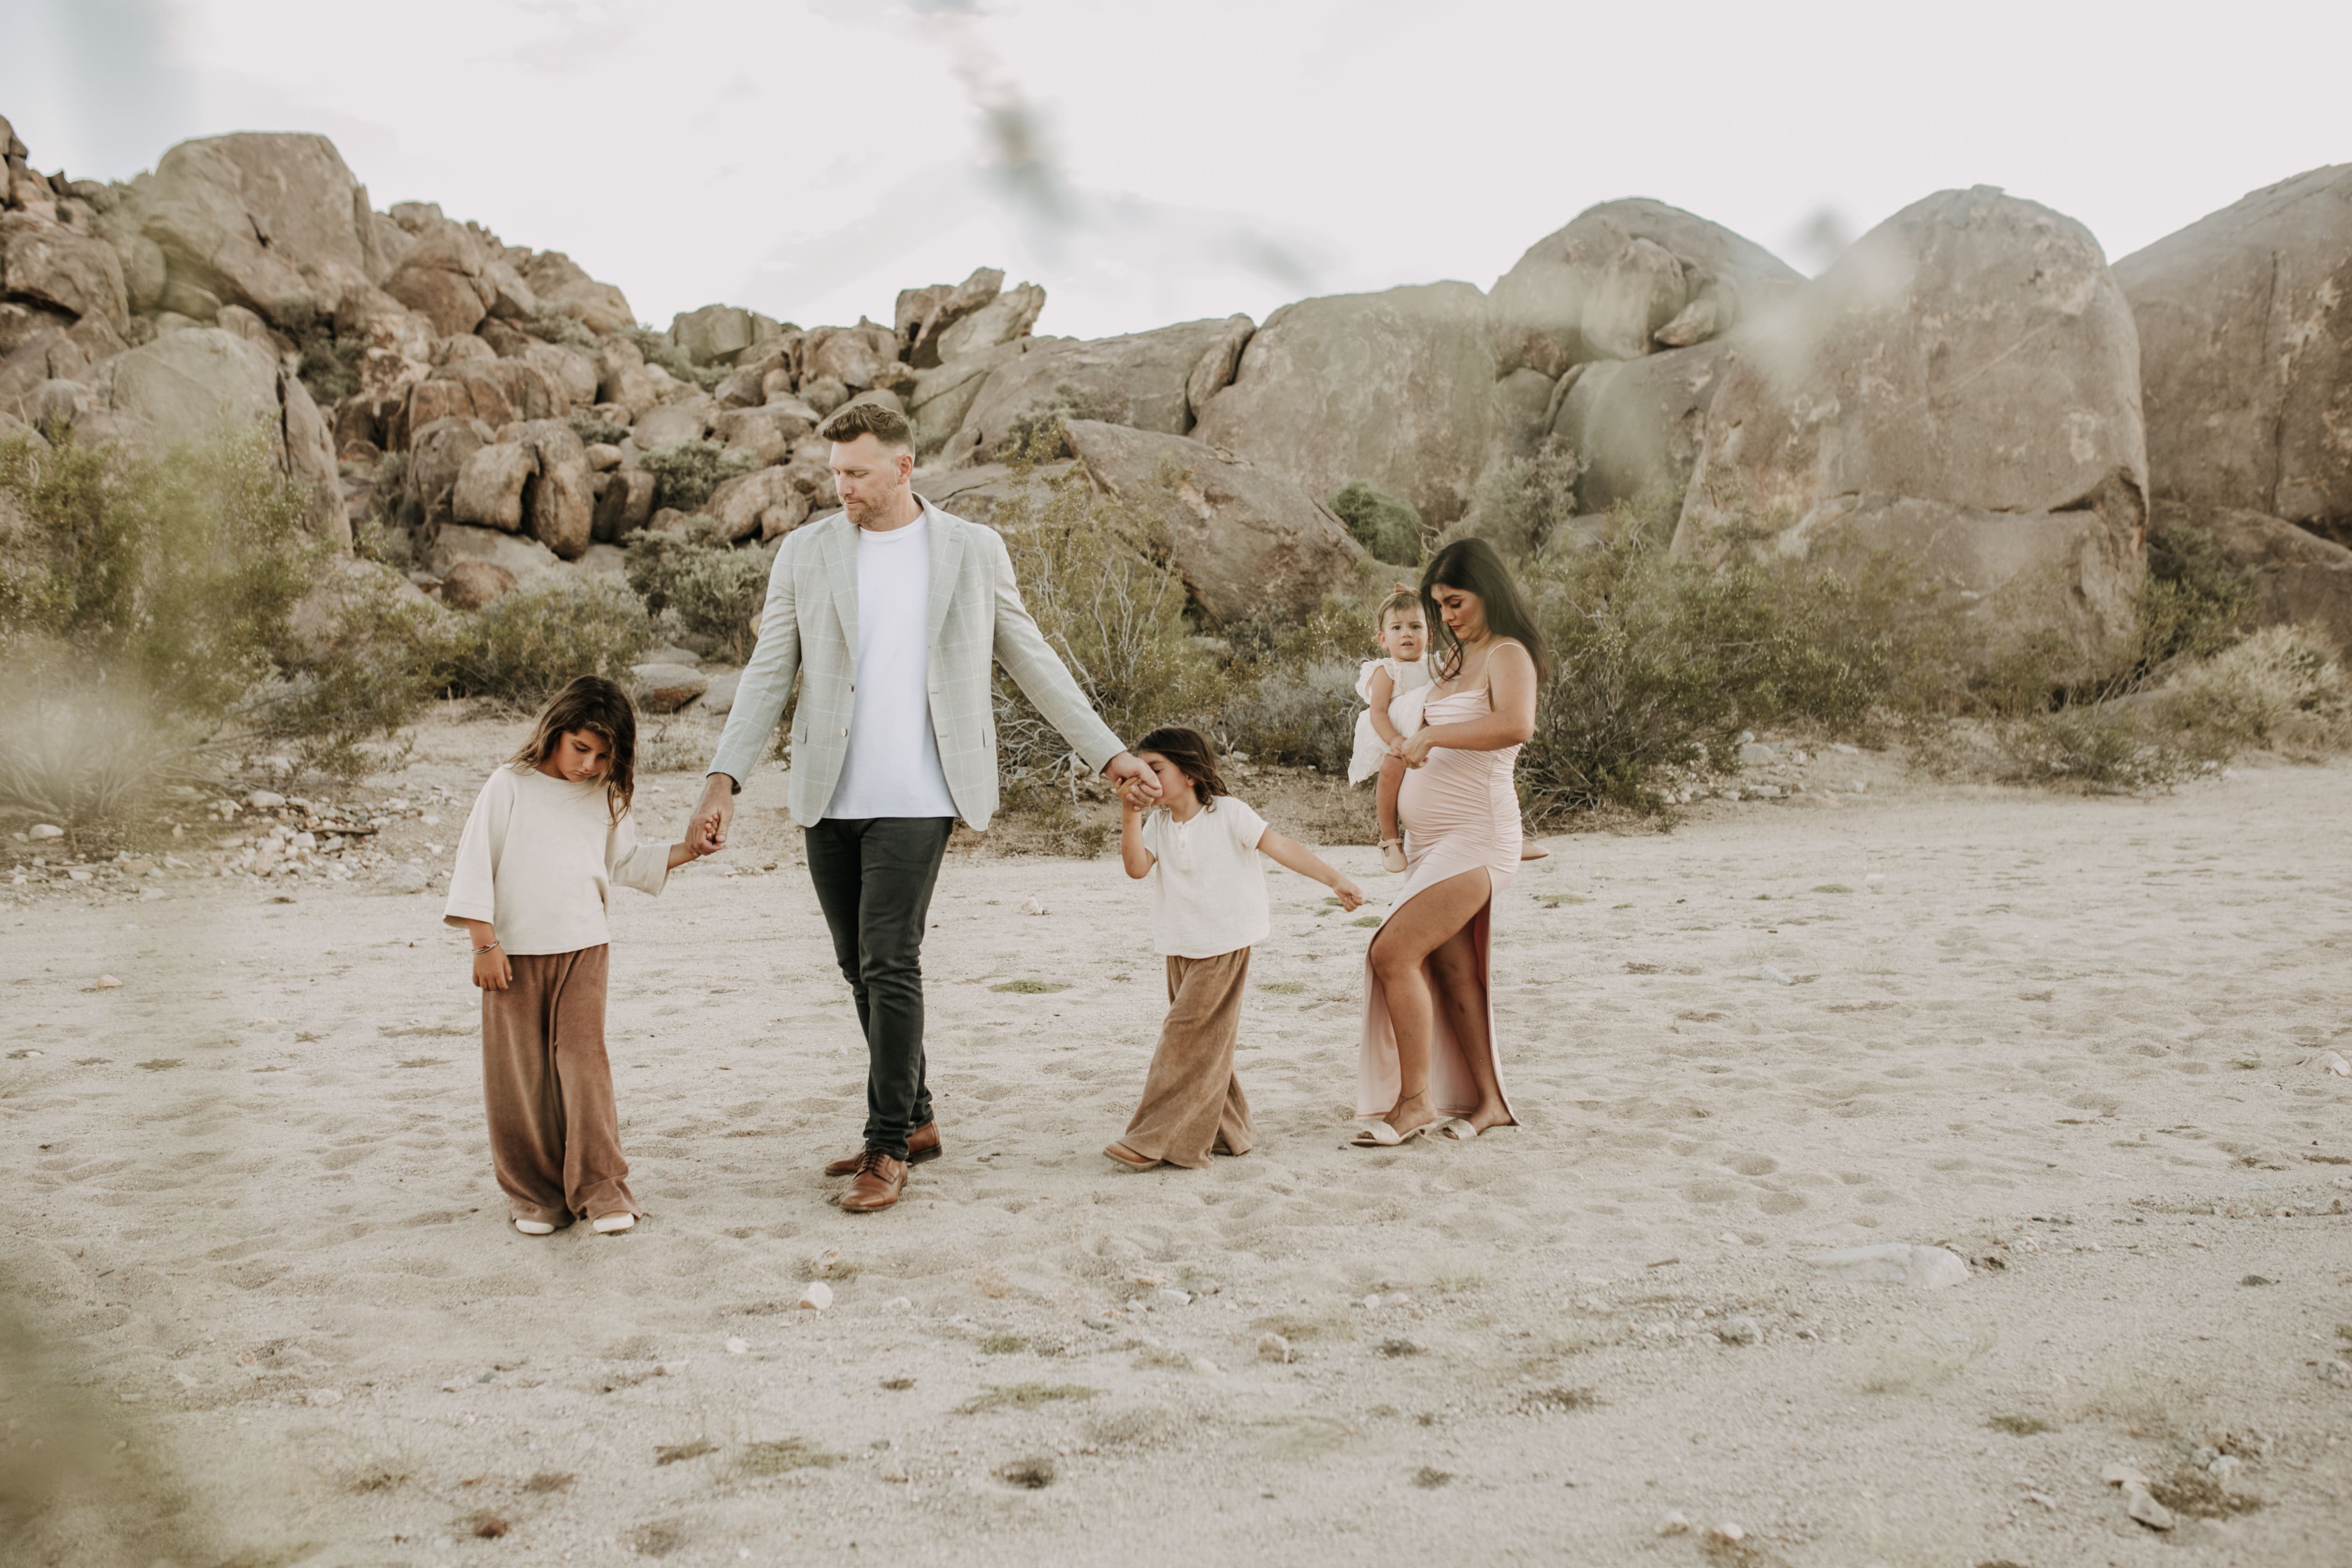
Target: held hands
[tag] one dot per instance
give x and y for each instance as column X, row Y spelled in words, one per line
column 706, row 833
column 1131, row 796
column 1126, row 768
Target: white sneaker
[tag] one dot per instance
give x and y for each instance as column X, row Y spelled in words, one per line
column 534, row 1227
column 612, row 1223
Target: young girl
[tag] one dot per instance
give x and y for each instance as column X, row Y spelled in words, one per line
column 549, row 835
column 1395, row 686
column 1209, row 904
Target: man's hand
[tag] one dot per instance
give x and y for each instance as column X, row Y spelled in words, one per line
column 707, row 833
column 1126, row 770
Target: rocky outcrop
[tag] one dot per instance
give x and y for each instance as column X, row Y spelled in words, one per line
column 2297, row 578
column 1141, row 379
column 442, row 280
column 50, row 264
column 1961, row 387
column 924, row 315
column 1246, row 541
column 1635, row 424
column 1627, row 278
column 2245, row 335
column 1393, row 388
column 273, row 221
column 563, row 286
column 437, row 454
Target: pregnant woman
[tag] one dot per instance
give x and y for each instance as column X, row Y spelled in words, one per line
column 1429, row 1048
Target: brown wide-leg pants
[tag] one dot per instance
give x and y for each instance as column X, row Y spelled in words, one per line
column 555, row 1132
column 1192, row 1104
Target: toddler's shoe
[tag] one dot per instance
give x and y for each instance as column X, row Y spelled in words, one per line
column 534, row 1227
column 1393, row 854
column 612, row 1224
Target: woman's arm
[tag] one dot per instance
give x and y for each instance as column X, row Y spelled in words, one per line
column 1291, row 855
column 1132, row 855
column 1511, row 695
column 1379, row 693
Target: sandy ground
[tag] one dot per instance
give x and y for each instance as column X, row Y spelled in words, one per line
column 2081, row 1042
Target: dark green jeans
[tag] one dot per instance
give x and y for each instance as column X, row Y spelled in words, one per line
column 873, row 877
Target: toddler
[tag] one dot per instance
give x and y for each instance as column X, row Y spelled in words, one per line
column 1394, row 687
column 548, row 837
column 1209, row 904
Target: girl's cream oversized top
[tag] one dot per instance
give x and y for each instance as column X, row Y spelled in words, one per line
column 539, row 858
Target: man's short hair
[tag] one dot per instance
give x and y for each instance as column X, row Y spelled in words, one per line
column 885, row 423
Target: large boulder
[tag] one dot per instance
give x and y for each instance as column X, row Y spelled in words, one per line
column 1244, row 540
column 488, row 492
column 527, row 559
column 438, row 452
column 943, row 394
column 53, row 265
column 560, row 285
column 1004, row 319
column 1618, row 275
column 2246, row 342
column 690, row 419
column 2299, row 578
column 765, row 503
column 923, row 314
column 1635, row 424
column 767, row 434
column 311, row 460
column 187, row 387
column 349, row 596
column 559, row 501
column 442, row 280
column 854, row 356
column 1969, row 367
column 1139, row 379
column 718, row 334
column 1393, row 388
column 272, row 220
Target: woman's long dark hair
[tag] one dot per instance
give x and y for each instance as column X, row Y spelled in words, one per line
column 1473, row 566
column 594, row 704
column 1196, row 756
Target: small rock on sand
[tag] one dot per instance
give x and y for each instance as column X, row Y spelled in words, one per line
column 1739, row 1331
column 106, row 982
column 41, row 830
column 1921, row 1268
column 2143, row 1506
column 1272, row 1347
column 1674, row 1524
column 1776, row 976
column 1727, row 1533
column 817, row 1297
column 739, row 1347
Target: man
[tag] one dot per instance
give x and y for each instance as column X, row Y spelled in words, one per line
column 891, row 612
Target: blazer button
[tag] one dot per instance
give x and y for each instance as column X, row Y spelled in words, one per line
column 845, row 735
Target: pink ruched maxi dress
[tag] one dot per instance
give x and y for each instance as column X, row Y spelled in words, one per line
column 1461, row 813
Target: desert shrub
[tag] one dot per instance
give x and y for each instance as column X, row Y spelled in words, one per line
column 2110, row 748
column 1659, row 664
column 594, row 430
column 658, row 350
column 1389, row 529
column 1038, row 432
column 528, row 643
column 550, row 325
column 86, row 754
column 330, row 365
column 1517, row 503
column 685, row 473
column 2202, row 602
column 1114, row 615
column 1304, row 715
column 701, row 587
column 2283, row 688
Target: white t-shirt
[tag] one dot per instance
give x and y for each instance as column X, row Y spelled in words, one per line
column 539, row 858
column 893, row 766
column 1208, row 887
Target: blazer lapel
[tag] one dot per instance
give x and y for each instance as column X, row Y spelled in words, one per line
column 946, row 554
column 841, row 567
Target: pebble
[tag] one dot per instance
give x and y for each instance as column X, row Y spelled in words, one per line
column 1777, row 977
column 1739, row 1331
column 41, row 830
column 265, row 800
column 1034, row 907
column 1727, row 1533
column 1674, row 1524
column 2141, row 1505
column 817, row 1297
column 106, row 982
column 1207, row 1367
column 739, row 1347
column 1272, row 1347
column 2334, row 1061
column 2122, row 1475
column 1371, row 1303
column 405, row 878
column 1171, row 1297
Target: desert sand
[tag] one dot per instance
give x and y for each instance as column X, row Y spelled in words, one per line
column 2081, row 1043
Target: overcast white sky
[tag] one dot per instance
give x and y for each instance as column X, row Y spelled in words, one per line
column 1154, row 162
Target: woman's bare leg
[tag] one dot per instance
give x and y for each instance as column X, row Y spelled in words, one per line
column 1462, row 992
column 1428, row 919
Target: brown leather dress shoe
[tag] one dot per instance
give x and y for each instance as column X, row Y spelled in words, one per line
column 922, row 1144
column 880, row 1179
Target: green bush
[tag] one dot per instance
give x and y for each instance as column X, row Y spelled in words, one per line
column 1387, row 527
column 1114, row 615
column 550, row 325
column 702, row 587
column 330, row 365
column 2283, row 688
column 527, row 644
column 658, row 350
column 593, row 430
column 685, row 473
column 1520, row 502
column 2107, row 748
column 1038, row 433
column 1302, row 715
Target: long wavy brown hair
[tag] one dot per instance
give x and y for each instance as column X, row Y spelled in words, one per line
column 1473, row 566
column 1196, row 756
column 594, row 704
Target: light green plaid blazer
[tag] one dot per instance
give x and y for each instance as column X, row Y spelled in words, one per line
column 809, row 629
